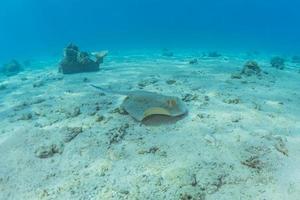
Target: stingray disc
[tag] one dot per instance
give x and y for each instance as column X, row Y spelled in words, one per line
column 141, row 104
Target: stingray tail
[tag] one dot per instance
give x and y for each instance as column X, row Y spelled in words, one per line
column 106, row 90
column 101, row 89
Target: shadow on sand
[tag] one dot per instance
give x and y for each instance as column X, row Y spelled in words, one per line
column 160, row 120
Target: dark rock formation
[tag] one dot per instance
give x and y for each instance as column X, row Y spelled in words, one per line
column 75, row 61
column 278, row 62
column 214, row 54
column 296, row 59
column 194, row 61
column 167, row 53
column 251, row 68
column 236, row 75
column 100, row 56
column 11, row 68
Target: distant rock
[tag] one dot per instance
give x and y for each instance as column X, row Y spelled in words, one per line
column 278, row 62
column 167, row 53
column 214, row 54
column 3, row 87
column 251, row 68
column 11, row 68
column 85, row 80
column 194, row 61
column 38, row 84
column 296, row 59
column 76, row 61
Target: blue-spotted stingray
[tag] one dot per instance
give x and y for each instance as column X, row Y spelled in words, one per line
column 142, row 104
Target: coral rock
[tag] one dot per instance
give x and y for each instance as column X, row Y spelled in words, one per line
column 75, row 61
column 296, row 59
column 167, row 53
column 11, row 68
column 194, row 61
column 251, row 68
column 278, row 62
column 214, row 54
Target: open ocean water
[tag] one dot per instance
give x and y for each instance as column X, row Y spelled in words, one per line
column 32, row 27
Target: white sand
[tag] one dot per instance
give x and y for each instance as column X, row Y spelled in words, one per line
column 220, row 150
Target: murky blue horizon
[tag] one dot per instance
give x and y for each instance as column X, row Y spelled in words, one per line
column 32, row 27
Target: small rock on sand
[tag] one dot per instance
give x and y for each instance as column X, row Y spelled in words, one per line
column 236, row 76
column 193, row 62
column 170, row 82
column 75, row 112
column 49, row 150
column 3, row 87
column 71, row 133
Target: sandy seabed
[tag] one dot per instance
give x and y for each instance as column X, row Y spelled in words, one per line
column 62, row 139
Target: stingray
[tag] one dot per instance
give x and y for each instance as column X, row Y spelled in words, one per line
column 142, row 104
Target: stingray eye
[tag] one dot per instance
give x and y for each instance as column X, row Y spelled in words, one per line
column 171, row 102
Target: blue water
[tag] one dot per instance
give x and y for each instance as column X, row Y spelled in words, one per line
column 34, row 27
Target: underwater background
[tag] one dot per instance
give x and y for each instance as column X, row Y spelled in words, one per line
column 149, row 99
column 33, row 28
